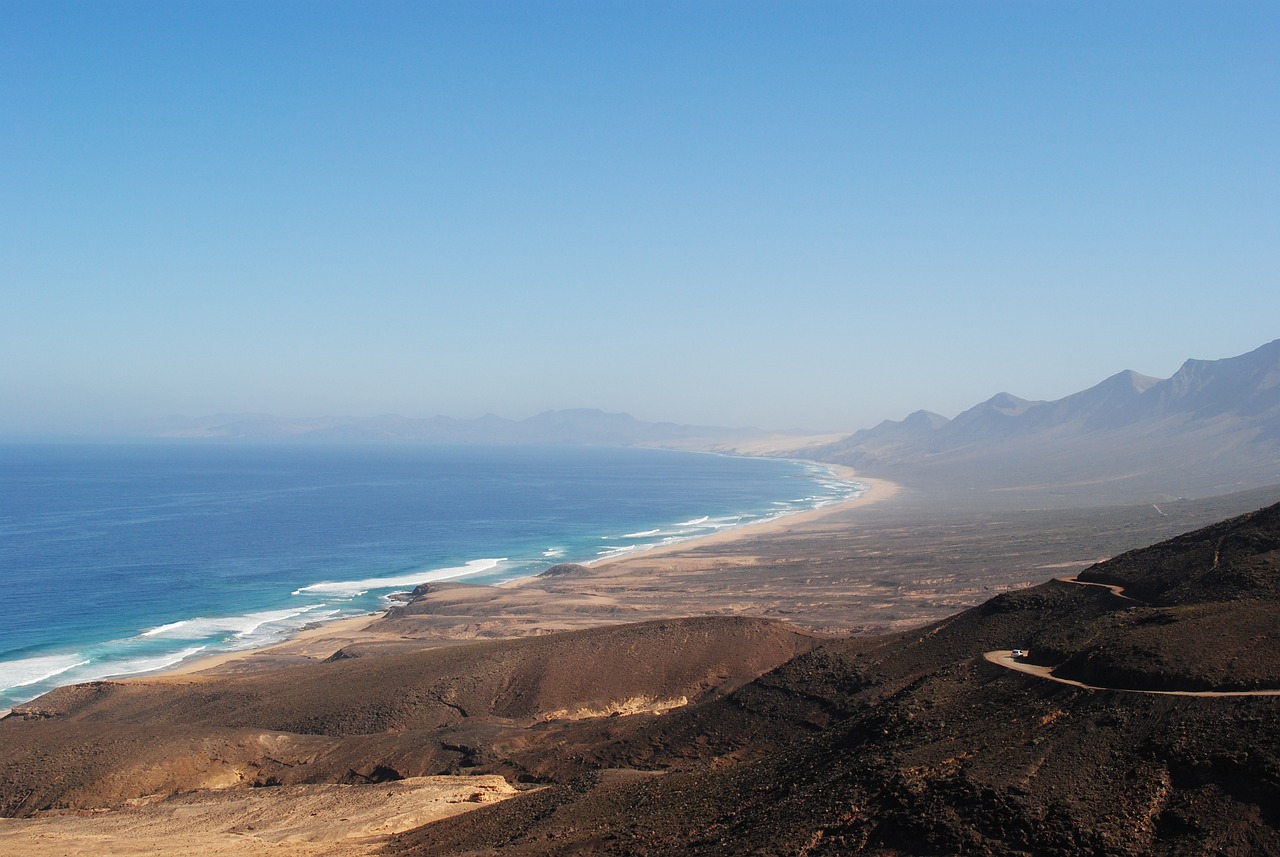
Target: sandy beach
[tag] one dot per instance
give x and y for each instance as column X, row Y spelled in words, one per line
column 352, row 741
column 877, row 490
column 533, row 605
column 288, row 821
column 887, row 560
column 315, row 643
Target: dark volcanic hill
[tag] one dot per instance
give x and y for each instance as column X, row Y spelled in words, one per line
column 750, row 739
column 1212, row 428
column 915, row 744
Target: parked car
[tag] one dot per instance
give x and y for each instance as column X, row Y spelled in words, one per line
column 1018, row 653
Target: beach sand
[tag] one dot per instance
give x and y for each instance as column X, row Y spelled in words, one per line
column 315, row 643
column 454, row 612
column 288, row 821
column 889, row 560
column 877, row 491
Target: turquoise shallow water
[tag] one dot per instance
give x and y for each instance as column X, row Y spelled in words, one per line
column 122, row 559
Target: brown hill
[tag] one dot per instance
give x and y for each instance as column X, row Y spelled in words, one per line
column 364, row 719
column 910, row 743
column 1203, row 615
column 914, row 744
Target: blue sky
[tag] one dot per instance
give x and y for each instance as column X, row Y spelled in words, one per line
column 782, row 214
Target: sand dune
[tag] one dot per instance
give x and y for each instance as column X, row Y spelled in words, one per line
column 288, row 821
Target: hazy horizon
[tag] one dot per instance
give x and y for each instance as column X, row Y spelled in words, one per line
column 182, row 425
column 778, row 215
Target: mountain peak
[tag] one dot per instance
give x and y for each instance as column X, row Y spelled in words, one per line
column 1007, row 403
column 924, row 420
column 1212, row 427
column 1129, row 379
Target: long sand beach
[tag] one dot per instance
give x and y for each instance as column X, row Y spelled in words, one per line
column 535, row 604
column 349, row 820
column 889, row 559
column 194, row 550
column 882, row 561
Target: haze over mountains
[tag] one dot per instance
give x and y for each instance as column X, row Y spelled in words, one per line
column 1146, row 725
column 1212, row 428
column 575, row 426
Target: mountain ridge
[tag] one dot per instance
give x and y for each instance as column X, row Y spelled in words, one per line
column 586, row 426
column 1214, row 426
column 913, row 743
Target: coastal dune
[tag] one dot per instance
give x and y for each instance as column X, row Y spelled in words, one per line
column 290, row 821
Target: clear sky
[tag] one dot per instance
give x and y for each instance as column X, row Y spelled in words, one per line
column 781, row 214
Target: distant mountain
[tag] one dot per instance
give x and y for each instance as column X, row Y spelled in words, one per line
column 1212, row 427
column 578, row 427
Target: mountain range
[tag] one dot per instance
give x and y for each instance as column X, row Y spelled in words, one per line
column 1122, row 706
column 578, row 426
column 1211, row 428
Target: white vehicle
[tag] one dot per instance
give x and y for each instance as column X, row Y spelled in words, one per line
column 1018, row 653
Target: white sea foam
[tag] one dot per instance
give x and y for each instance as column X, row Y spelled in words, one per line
column 553, row 552
column 28, row 671
column 164, row 629
column 33, row 671
column 353, row 588
column 694, row 522
column 239, row 626
column 254, row 621
column 619, row 551
column 644, row 534
column 722, row 523
column 135, row 666
column 112, row 659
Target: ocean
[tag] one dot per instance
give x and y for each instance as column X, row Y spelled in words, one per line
column 120, row 559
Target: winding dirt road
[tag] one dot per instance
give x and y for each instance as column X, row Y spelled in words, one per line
column 1117, row 591
column 1004, row 658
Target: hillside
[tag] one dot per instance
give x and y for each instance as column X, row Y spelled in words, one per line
column 736, row 736
column 361, row 719
column 1212, row 428
column 915, row 744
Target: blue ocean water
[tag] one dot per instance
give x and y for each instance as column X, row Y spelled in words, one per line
column 123, row 559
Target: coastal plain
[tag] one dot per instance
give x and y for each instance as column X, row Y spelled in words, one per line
column 889, row 560
column 478, row 682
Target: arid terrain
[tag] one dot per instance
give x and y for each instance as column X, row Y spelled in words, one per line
column 762, row 727
column 914, row 743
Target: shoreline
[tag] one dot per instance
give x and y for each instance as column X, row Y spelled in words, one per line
column 877, row 490
column 326, row 638
column 302, row 642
